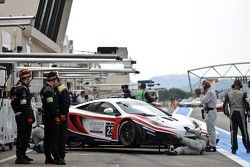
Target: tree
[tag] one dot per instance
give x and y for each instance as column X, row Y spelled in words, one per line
column 173, row 93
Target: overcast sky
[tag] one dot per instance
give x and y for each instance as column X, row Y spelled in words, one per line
column 165, row 36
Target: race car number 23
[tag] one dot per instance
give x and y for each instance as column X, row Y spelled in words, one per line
column 108, row 129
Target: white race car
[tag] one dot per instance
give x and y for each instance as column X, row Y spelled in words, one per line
column 126, row 122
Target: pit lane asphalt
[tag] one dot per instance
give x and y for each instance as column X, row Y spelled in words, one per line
column 132, row 157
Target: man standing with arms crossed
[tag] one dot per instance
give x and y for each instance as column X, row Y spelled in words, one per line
column 51, row 118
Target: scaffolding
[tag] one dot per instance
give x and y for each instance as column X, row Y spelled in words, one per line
column 240, row 71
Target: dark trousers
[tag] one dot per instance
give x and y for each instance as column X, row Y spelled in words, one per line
column 51, row 137
column 238, row 121
column 63, row 135
column 23, row 135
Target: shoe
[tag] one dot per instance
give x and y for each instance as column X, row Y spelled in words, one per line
column 21, row 161
column 210, row 149
column 37, row 148
column 61, row 162
column 171, row 148
column 28, row 158
column 50, row 161
column 169, row 152
column 233, row 151
column 248, row 151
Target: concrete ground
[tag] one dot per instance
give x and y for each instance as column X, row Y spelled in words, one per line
column 113, row 157
column 131, row 157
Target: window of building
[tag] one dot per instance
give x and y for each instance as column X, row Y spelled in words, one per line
column 48, row 17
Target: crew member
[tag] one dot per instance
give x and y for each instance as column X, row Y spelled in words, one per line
column 21, row 105
column 64, row 104
column 126, row 92
column 142, row 94
column 51, row 118
column 37, row 135
column 80, row 98
column 248, row 92
column 173, row 103
column 239, row 111
column 194, row 146
column 208, row 99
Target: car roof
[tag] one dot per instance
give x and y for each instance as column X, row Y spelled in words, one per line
column 111, row 100
column 187, row 100
column 114, row 99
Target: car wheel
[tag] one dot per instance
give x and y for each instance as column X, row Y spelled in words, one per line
column 128, row 133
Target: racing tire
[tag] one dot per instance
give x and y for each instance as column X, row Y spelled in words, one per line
column 128, row 133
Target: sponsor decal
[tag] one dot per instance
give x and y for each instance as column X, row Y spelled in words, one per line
column 96, row 123
column 101, row 140
column 98, row 127
column 96, row 131
column 95, row 126
column 108, row 129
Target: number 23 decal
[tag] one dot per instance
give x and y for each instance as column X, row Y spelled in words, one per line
column 108, row 129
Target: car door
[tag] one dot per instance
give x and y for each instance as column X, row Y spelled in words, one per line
column 98, row 123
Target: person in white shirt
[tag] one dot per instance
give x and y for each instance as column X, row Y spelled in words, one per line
column 81, row 97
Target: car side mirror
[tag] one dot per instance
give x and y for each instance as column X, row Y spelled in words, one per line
column 109, row 111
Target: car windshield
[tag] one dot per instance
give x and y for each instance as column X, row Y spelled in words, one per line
column 140, row 108
column 186, row 100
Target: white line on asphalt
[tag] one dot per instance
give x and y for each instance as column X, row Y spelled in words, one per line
column 6, row 159
column 74, row 154
column 234, row 157
column 9, row 158
column 226, row 153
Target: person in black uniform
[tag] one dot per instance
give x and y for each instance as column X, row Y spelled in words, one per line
column 126, row 92
column 51, row 118
column 21, row 105
column 64, row 104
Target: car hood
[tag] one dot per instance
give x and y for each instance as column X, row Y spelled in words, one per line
column 175, row 123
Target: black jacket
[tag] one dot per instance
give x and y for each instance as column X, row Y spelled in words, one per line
column 64, row 99
column 21, row 99
column 50, row 101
